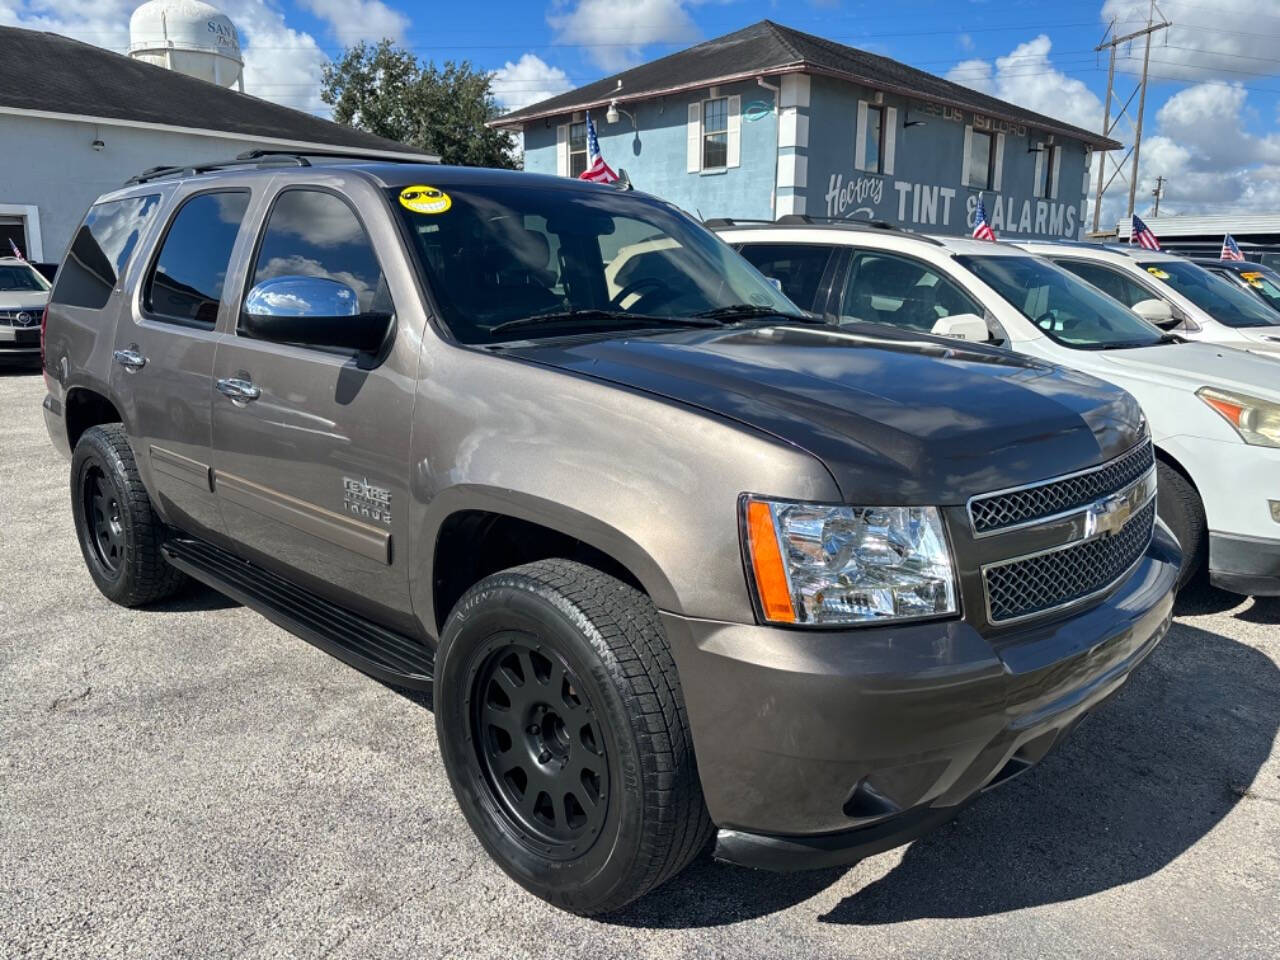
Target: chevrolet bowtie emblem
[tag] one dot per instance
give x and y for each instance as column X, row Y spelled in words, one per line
column 1108, row 515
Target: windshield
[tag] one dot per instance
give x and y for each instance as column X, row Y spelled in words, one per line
column 582, row 260
column 1068, row 310
column 1216, row 296
column 22, row 278
column 1263, row 285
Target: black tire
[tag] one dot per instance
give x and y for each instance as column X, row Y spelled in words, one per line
column 604, row 640
column 119, row 532
column 1179, row 506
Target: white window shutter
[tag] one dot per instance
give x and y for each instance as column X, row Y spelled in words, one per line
column 968, row 148
column 860, row 138
column 998, row 174
column 695, row 138
column 890, row 138
column 735, row 133
column 1056, row 159
column 1039, row 165
column 562, row 150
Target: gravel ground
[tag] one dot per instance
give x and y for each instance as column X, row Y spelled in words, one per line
column 189, row 780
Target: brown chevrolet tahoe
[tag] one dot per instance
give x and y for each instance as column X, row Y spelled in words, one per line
column 675, row 561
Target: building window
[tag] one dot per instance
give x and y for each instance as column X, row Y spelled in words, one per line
column 577, row 149
column 981, row 159
column 1046, row 171
column 875, row 140
column 715, row 134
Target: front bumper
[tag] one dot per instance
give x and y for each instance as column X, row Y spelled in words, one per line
column 1247, row 565
column 818, row 748
column 19, row 341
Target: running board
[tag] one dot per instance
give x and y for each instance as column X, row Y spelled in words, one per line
column 353, row 639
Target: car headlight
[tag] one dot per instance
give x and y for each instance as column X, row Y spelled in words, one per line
column 1257, row 421
column 818, row 564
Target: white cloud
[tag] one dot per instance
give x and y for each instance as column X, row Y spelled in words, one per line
column 280, row 63
column 1223, row 38
column 965, row 41
column 355, row 20
column 615, row 32
column 1028, row 78
column 527, row 81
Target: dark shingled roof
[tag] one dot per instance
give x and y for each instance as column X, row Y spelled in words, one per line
column 767, row 48
column 48, row 72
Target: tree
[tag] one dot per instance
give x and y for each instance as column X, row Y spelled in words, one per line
column 387, row 91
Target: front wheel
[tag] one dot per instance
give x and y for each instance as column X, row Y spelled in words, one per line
column 1179, row 506
column 563, row 730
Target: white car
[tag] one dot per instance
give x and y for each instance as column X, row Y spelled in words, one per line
column 23, row 294
column 1171, row 292
column 1214, row 412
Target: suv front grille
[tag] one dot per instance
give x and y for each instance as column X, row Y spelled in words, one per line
column 999, row 511
column 1023, row 588
column 29, row 318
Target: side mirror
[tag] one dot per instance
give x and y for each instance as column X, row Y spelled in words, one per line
column 312, row 312
column 1155, row 311
column 963, row 326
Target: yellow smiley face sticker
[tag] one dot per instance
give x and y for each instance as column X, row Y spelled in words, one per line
column 423, row 199
column 1157, row 273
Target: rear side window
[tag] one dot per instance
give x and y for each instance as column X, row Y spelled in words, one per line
column 185, row 283
column 311, row 233
column 883, row 288
column 101, row 250
column 798, row 268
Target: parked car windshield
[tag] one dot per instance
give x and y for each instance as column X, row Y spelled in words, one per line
column 1264, row 285
column 1216, row 296
column 583, row 260
column 18, row 277
column 1068, row 310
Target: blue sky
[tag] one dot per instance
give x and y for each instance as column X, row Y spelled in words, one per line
column 1212, row 112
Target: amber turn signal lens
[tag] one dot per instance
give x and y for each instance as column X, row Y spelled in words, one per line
column 1232, row 411
column 766, row 564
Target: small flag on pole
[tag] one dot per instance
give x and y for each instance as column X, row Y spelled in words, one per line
column 1142, row 235
column 1230, row 249
column 597, row 170
column 981, row 228
column 18, row 253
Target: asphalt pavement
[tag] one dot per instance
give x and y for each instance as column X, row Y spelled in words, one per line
column 190, row 781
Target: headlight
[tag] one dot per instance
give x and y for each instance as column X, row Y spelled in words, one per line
column 817, row 564
column 1257, row 421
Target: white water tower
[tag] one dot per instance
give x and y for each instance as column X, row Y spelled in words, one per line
column 188, row 36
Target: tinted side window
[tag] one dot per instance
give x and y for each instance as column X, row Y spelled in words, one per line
column 185, row 283
column 797, row 267
column 1113, row 284
column 315, row 234
column 882, row 288
column 101, row 249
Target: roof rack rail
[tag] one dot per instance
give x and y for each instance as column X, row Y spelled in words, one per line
column 261, row 158
column 795, row 219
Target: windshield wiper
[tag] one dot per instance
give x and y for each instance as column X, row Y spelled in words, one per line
column 746, row 311
column 594, row 317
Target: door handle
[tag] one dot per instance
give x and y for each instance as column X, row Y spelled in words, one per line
column 130, row 359
column 240, row 391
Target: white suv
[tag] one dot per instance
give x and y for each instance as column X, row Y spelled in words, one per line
column 1171, row 292
column 1214, row 413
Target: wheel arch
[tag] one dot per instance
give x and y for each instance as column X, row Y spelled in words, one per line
column 86, row 407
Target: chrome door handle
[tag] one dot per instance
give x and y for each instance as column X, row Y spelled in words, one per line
column 240, row 391
column 130, row 359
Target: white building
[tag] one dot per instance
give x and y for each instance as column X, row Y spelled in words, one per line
column 77, row 120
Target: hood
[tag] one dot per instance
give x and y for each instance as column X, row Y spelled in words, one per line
column 1196, row 365
column 23, row 299
column 1261, row 339
column 896, row 418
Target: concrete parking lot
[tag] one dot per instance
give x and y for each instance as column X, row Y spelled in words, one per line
column 190, row 781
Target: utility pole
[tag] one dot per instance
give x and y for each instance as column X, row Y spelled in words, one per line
column 1108, row 125
column 1158, row 192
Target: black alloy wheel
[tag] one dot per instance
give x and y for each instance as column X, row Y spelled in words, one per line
column 106, row 529
column 541, row 746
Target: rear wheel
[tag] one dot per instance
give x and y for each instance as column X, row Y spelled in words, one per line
column 1179, row 506
column 563, row 729
column 120, row 535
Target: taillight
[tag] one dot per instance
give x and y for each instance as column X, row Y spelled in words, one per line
column 44, row 323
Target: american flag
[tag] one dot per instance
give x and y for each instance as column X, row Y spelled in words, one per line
column 1230, row 249
column 1142, row 235
column 18, row 253
column 981, row 228
column 597, row 170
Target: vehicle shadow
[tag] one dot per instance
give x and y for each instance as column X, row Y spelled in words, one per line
column 1200, row 597
column 1129, row 791
column 194, row 597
